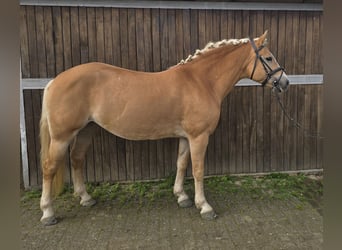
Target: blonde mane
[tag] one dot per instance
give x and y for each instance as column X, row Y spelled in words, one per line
column 214, row 45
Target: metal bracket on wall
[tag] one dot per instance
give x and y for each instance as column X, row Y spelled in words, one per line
column 40, row 83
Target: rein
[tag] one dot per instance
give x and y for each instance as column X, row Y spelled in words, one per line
column 276, row 89
column 268, row 70
column 307, row 133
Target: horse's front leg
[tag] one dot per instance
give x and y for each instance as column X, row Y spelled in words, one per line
column 198, row 147
column 182, row 163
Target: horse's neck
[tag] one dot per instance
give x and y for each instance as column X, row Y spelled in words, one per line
column 223, row 72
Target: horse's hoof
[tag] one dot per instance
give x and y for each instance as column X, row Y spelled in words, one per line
column 210, row 215
column 185, row 203
column 88, row 203
column 49, row 221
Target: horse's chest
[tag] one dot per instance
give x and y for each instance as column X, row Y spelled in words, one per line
column 202, row 117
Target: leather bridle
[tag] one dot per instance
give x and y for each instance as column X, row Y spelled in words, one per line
column 268, row 70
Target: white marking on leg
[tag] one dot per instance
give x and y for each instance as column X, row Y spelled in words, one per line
column 79, row 186
column 200, row 200
column 46, row 201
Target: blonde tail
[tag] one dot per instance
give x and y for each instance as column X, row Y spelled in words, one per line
column 45, row 139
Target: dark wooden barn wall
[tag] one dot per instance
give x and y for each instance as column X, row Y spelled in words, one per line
column 252, row 136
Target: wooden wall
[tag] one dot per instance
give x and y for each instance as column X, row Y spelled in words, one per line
column 54, row 39
column 252, row 136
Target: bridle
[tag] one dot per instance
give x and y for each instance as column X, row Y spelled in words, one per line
column 269, row 73
column 268, row 70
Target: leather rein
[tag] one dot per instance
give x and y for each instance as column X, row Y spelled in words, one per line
column 269, row 73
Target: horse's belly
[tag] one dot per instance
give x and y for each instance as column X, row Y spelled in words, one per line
column 134, row 131
column 140, row 115
column 142, row 125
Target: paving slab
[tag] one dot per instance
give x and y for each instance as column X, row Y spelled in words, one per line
column 243, row 223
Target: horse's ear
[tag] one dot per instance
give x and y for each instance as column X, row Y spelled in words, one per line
column 262, row 39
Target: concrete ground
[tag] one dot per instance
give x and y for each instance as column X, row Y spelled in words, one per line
column 243, row 222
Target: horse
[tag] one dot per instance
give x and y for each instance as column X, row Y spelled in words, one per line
column 183, row 101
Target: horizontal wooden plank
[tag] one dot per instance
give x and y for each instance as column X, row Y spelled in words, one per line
column 40, row 83
column 179, row 5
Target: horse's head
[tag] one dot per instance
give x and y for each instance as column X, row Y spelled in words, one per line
column 264, row 68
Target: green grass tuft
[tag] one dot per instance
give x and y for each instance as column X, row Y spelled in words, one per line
column 273, row 186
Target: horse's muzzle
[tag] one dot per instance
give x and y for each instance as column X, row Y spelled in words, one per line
column 281, row 84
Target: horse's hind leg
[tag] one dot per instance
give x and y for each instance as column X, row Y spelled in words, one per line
column 182, row 163
column 78, row 152
column 54, row 161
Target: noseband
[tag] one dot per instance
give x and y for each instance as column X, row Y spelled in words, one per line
column 268, row 70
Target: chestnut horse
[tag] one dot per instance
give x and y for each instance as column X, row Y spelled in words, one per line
column 183, row 101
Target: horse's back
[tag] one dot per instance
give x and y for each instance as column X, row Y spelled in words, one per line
column 132, row 104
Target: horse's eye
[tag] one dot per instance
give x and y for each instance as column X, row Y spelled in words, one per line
column 269, row 58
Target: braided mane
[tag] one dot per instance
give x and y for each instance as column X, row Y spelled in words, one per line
column 213, row 45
